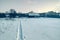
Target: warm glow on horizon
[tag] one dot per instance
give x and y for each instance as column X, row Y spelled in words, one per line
column 30, row 5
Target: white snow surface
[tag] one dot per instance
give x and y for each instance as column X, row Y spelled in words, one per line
column 32, row 28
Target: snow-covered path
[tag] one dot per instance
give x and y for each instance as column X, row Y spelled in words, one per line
column 33, row 28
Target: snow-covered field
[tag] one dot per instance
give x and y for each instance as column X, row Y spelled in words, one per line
column 8, row 29
column 33, row 28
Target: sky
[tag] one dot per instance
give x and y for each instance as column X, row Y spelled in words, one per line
column 30, row 5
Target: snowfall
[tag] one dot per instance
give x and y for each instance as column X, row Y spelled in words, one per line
column 32, row 28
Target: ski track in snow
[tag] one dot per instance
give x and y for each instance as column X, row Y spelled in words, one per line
column 33, row 28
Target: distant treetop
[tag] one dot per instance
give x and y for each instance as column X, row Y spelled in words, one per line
column 12, row 11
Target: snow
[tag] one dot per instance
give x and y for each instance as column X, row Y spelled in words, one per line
column 32, row 28
column 8, row 29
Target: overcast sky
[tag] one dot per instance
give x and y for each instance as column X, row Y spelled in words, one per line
column 29, row 5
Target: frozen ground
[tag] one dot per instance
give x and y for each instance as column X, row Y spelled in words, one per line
column 8, row 29
column 33, row 28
